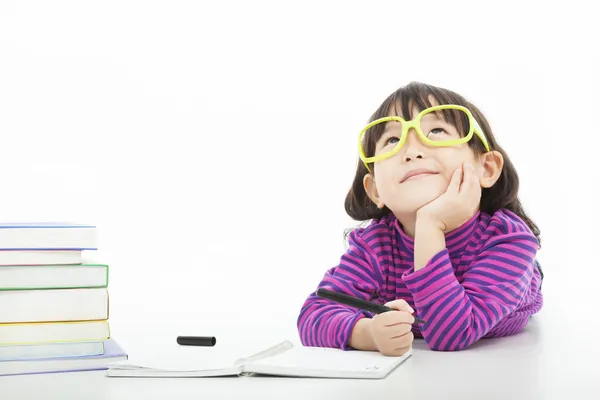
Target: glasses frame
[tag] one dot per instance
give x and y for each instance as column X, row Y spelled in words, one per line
column 415, row 123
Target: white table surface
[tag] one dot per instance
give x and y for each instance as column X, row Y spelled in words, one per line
column 549, row 360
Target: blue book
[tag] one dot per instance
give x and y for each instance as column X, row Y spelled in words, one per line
column 47, row 236
column 50, row 358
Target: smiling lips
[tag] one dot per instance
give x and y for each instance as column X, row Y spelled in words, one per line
column 417, row 173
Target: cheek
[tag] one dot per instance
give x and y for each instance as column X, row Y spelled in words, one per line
column 447, row 175
column 387, row 183
column 452, row 159
column 386, row 173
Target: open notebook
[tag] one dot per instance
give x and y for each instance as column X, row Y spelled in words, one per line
column 284, row 360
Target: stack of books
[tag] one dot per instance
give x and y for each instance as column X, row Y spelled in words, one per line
column 54, row 304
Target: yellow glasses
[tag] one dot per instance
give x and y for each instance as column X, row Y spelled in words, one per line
column 445, row 125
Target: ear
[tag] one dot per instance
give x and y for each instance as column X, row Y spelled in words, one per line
column 371, row 190
column 491, row 168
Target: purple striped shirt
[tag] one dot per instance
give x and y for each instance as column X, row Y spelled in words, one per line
column 485, row 283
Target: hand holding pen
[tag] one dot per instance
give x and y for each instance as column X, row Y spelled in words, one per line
column 389, row 331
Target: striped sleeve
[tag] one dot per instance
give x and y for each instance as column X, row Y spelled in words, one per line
column 323, row 323
column 459, row 314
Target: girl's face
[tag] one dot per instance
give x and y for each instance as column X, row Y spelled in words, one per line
column 418, row 173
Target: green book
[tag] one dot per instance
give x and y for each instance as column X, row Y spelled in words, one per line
column 76, row 276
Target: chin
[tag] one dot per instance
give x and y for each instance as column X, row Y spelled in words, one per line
column 411, row 202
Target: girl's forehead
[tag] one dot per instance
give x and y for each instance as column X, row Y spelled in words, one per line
column 396, row 109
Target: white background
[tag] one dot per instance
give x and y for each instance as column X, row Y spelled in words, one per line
column 213, row 143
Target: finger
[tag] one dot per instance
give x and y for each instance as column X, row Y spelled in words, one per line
column 392, row 318
column 475, row 180
column 455, row 181
column 395, row 352
column 471, row 186
column 466, row 177
column 401, row 351
column 400, row 305
column 397, row 331
column 398, row 346
column 403, row 341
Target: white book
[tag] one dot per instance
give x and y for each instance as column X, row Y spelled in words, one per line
column 50, row 350
column 47, row 236
column 40, row 257
column 52, row 305
column 50, row 332
column 283, row 359
column 111, row 353
column 53, row 276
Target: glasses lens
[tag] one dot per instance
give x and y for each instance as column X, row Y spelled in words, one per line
column 382, row 138
column 445, row 125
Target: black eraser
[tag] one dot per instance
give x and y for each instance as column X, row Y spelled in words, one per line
column 207, row 341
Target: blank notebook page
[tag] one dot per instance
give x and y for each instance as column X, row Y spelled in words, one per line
column 311, row 360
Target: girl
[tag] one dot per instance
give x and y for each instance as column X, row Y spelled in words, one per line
column 448, row 239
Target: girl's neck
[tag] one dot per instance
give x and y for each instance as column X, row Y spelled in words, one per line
column 408, row 222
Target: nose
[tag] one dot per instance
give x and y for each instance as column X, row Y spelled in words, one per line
column 413, row 147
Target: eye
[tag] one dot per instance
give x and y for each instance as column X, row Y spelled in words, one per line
column 437, row 132
column 391, row 140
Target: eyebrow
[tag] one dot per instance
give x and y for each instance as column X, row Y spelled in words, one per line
column 389, row 124
column 437, row 114
column 389, row 128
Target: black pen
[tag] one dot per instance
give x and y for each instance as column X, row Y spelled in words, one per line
column 207, row 341
column 357, row 303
